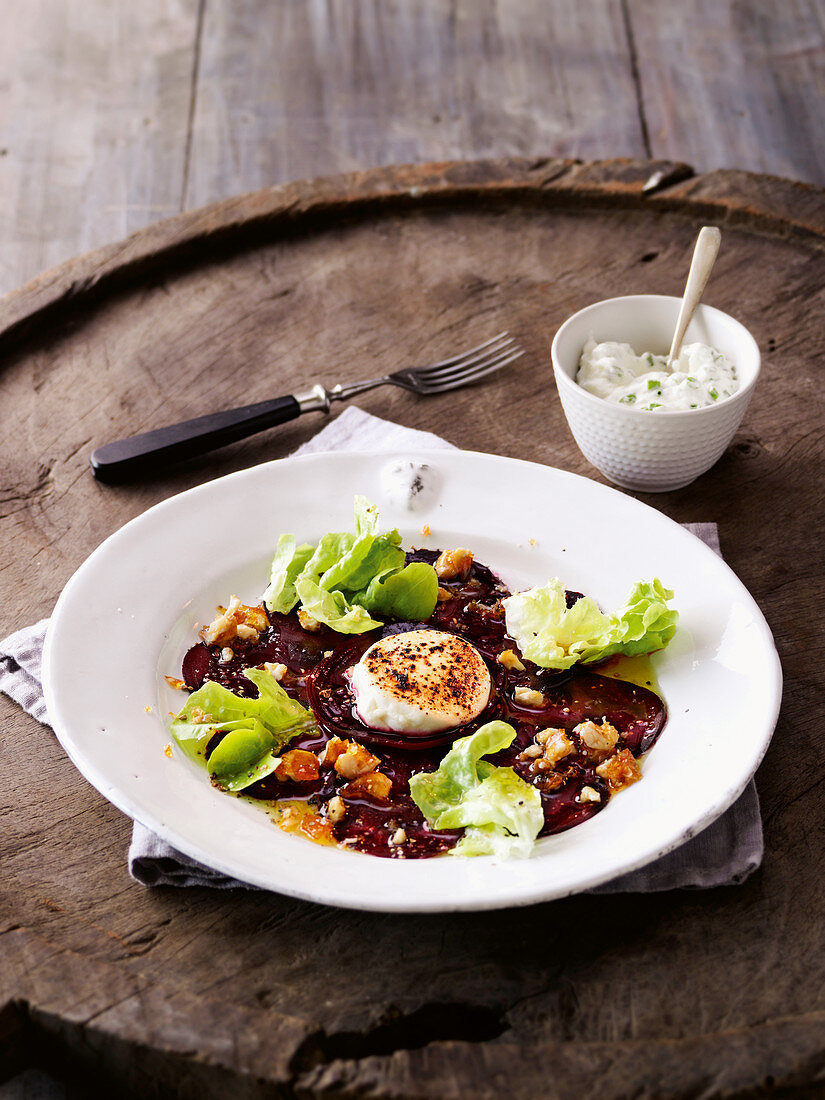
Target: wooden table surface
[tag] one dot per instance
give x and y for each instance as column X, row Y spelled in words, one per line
column 113, row 116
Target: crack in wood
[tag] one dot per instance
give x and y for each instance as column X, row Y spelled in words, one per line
column 438, row 1022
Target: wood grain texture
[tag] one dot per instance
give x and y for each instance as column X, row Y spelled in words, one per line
column 113, row 115
column 94, row 110
column 305, row 89
column 277, row 997
column 726, row 83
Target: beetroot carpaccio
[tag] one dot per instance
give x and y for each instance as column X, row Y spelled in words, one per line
column 579, row 732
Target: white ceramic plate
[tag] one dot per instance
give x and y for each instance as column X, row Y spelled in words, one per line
column 126, row 618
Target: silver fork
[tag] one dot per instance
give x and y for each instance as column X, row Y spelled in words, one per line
column 153, row 451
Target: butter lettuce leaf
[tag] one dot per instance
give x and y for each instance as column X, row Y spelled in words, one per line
column 551, row 635
column 256, row 728
column 243, row 756
column 347, row 577
column 501, row 813
column 410, row 594
column 289, row 561
column 643, row 625
column 333, row 608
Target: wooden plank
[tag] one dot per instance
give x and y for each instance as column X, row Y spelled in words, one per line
column 93, row 120
column 732, row 85
column 299, row 90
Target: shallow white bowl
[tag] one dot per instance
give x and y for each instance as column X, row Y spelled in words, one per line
column 668, row 449
column 127, row 617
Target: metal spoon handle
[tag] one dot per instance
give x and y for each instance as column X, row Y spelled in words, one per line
column 704, row 257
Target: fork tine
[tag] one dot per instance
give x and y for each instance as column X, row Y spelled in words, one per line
column 440, row 370
column 474, row 375
column 464, row 373
column 455, row 359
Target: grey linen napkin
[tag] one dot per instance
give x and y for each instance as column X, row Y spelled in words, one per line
column 723, row 854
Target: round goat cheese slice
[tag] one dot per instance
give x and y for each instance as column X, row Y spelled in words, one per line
column 420, row 681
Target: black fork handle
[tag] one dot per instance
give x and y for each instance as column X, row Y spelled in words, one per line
column 153, row 451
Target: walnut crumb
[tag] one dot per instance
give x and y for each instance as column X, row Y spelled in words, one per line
column 510, row 659
column 276, row 670
column 308, row 622
column 174, row 682
column 238, row 620
column 227, row 653
column 168, row 750
column 336, row 809
column 598, row 741
column 620, row 770
column 425, row 531
column 355, row 761
column 398, row 837
column 589, row 794
column 148, row 709
column 528, row 697
column 454, row 563
column 550, row 746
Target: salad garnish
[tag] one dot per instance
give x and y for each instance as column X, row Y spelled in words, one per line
column 553, row 635
column 255, row 729
column 500, row 813
column 348, row 578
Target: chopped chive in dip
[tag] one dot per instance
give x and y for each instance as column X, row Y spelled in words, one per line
column 614, row 372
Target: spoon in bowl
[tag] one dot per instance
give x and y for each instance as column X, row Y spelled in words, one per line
column 704, row 257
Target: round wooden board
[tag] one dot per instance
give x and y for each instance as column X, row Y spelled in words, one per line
column 212, row 993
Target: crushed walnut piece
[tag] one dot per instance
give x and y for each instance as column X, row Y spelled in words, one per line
column 375, row 784
column 443, row 594
column 275, row 669
column 168, row 750
column 597, row 741
column 620, row 770
column 174, row 682
column 589, row 794
column 550, row 746
column 528, row 697
column 331, row 751
column 510, row 659
column 298, row 765
column 425, row 531
column 308, row 622
column 238, row 620
column 336, row 809
column 355, row 761
column 452, row 564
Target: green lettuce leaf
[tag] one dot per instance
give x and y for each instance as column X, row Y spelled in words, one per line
column 553, row 636
column 333, row 608
column 257, row 728
column 501, row 813
column 288, row 563
column 643, row 625
column 347, row 578
column 410, row 594
column 243, row 756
